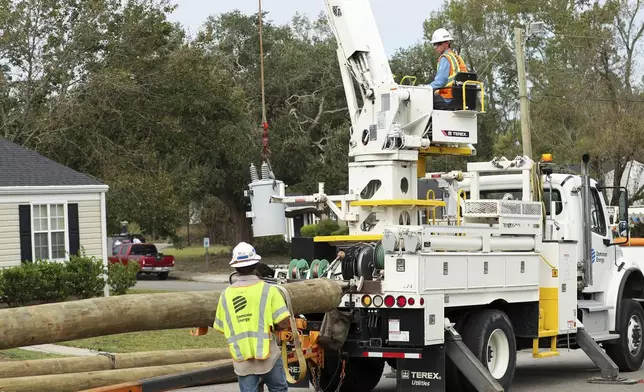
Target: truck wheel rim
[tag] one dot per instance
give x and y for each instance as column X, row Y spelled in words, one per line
column 634, row 335
column 498, row 353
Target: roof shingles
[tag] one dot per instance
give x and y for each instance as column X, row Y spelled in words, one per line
column 22, row 167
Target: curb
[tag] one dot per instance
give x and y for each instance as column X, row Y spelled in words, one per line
column 61, row 350
column 206, row 279
column 203, row 278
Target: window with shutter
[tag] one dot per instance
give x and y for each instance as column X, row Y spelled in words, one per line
column 49, row 231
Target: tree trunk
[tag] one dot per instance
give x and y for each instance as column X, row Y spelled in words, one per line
column 59, row 322
column 80, row 381
column 617, row 180
column 241, row 224
column 42, row 367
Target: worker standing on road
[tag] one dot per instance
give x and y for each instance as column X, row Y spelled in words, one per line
column 449, row 64
column 248, row 313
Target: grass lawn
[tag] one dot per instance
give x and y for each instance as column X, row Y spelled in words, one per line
column 197, row 251
column 172, row 339
column 188, row 259
column 16, row 354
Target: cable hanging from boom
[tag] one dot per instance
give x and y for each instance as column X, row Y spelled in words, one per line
column 265, row 149
column 267, row 172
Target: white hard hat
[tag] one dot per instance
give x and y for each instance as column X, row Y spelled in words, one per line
column 244, row 255
column 441, row 35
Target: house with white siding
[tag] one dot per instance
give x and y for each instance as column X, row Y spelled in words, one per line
column 47, row 211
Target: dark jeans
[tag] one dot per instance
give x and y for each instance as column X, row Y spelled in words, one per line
column 275, row 380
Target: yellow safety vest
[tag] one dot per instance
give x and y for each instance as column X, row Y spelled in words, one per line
column 456, row 65
column 245, row 315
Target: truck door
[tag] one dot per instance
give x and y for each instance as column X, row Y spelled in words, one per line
column 601, row 256
column 123, row 254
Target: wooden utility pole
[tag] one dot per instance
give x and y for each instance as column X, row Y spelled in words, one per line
column 66, row 365
column 86, row 380
column 63, row 321
column 523, row 93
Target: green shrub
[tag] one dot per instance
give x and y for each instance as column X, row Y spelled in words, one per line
column 19, row 284
column 327, row 227
column 323, row 228
column 52, row 282
column 309, row 230
column 272, row 246
column 343, row 230
column 85, row 276
column 122, row 277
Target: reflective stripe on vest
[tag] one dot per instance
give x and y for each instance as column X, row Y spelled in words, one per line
column 277, row 313
column 455, row 67
column 240, row 343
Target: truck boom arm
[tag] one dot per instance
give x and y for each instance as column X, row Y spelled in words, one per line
column 360, row 49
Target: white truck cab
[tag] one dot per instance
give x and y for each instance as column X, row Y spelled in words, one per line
column 609, row 294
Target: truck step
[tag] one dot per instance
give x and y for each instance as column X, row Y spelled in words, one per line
column 592, row 305
column 551, row 352
column 604, row 336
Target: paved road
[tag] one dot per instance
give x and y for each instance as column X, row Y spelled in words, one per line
column 568, row 372
column 152, row 283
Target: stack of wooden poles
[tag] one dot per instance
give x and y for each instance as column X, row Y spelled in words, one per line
column 52, row 323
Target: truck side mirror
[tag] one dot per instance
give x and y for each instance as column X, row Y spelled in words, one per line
column 623, row 206
column 623, row 229
column 621, row 233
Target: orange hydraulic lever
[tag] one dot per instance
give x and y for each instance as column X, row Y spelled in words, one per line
column 199, row 331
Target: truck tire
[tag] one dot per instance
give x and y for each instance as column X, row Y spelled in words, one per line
column 163, row 275
column 361, row 374
column 489, row 334
column 627, row 351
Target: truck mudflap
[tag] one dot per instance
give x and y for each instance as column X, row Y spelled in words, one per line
column 424, row 369
column 424, row 373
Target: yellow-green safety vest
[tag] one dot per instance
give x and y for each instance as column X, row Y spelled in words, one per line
column 456, row 65
column 245, row 316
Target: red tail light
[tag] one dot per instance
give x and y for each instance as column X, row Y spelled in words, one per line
column 422, row 301
column 401, row 301
column 389, row 301
column 411, row 301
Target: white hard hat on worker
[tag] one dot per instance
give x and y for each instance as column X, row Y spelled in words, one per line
column 441, row 35
column 244, row 255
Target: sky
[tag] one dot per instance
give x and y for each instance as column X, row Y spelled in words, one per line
column 400, row 22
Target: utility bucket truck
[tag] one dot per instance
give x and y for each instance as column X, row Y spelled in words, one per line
column 511, row 256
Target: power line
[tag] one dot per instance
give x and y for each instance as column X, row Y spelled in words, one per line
column 546, row 96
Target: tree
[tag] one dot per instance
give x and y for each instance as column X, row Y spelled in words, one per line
column 304, row 99
column 48, row 48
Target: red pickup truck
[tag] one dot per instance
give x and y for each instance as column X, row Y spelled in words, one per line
column 150, row 260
